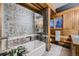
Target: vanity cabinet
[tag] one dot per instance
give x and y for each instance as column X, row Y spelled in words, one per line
column 75, row 45
column 75, row 50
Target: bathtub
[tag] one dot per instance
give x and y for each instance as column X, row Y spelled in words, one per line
column 35, row 48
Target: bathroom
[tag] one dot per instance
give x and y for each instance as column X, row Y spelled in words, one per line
column 35, row 29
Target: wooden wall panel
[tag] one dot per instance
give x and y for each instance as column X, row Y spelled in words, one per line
column 67, row 19
column 71, row 23
column 76, row 19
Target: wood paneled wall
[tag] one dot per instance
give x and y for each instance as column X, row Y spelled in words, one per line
column 71, row 23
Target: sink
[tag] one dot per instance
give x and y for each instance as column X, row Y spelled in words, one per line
column 75, row 39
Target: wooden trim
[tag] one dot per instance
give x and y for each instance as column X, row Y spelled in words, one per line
column 56, row 28
column 49, row 28
column 30, row 6
column 51, row 6
column 43, row 5
column 38, row 6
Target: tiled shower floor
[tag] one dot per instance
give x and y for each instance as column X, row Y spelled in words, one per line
column 57, row 51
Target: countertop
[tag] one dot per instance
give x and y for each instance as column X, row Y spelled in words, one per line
column 75, row 39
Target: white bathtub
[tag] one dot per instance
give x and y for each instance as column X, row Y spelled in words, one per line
column 35, row 48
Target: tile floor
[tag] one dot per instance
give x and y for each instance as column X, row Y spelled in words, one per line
column 57, row 50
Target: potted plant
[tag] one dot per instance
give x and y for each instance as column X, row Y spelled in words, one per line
column 19, row 51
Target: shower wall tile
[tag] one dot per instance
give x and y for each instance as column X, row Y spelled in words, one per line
column 17, row 42
column 17, row 20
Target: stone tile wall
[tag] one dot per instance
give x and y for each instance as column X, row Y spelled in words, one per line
column 16, row 42
column 18, row 20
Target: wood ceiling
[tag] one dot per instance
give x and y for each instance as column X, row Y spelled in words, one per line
column 37, row 7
